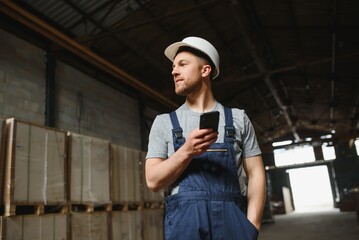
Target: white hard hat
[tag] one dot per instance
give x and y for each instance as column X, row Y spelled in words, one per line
column 199, row 44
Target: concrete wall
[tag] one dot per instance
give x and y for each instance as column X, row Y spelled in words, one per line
column 22, row 79
column 87, row 106
column 82, row 104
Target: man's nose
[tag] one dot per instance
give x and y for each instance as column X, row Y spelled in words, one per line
column 175, row 72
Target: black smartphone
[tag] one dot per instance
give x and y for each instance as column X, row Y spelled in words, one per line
column 209, row 120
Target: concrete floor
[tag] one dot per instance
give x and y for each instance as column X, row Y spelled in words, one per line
column 321, row 225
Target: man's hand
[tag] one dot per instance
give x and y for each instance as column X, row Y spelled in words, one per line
column 161, row 173
column 198, row 141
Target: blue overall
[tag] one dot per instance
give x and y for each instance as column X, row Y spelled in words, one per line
column 208, row 203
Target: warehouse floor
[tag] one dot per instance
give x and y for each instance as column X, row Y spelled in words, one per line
column 321, row 225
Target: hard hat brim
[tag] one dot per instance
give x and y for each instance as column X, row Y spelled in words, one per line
column 172, row 49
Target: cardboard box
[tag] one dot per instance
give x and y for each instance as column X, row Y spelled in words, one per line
column 30, row 227
column 94, row 226
column 153, row 228
column 89, row 170
column 126, row 174
column 127, row 225
column 35, row 164
column 2, row 230
column 2, row 159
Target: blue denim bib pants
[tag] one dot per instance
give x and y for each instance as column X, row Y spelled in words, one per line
column 208, row 203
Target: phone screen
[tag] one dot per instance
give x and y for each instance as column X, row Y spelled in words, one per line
column 209, row 120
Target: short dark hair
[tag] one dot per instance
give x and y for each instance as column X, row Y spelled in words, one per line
column 199, row 54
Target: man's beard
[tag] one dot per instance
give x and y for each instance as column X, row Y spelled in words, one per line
column 181, row 91
column 184, row 90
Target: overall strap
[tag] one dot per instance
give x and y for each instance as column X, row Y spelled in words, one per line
column 229, row 128
column 177, row 132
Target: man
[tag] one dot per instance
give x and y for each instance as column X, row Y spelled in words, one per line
column 202, row 167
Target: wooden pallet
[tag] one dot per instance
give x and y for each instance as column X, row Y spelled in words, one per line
column 153, row 205
column 34, row 209
column 127, row 206
column 90, row 207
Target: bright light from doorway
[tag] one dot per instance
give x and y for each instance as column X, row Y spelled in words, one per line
column 282, row 143
column 357, row 146
column 304, row 154
column 328, row 152
column 311, row 188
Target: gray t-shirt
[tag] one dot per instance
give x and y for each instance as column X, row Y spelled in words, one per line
column 161, row 143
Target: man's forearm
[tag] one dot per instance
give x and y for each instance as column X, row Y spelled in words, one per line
column 256, row 199
column 161, row 173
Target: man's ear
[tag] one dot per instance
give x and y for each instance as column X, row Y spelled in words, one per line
column 206, row 70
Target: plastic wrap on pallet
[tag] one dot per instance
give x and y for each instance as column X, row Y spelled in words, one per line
column 148, row 195
column 94, row 226
column 126, row 174
column 153, row 224
column 36, row 167
column 30, row 227
column 127, row 225
column 90, row 169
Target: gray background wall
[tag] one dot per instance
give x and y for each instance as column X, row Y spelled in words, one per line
column 22, row 79
column 82, row 103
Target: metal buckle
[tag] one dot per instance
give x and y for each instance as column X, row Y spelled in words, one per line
column 178, row 135
column 230, row 131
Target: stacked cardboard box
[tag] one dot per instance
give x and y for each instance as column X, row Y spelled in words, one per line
column 153, row 224
column 2, row 230
column 35, row 165
column 127, row 225
column 89, row 170
column 126, row 174
column 30, row 227
column 52, row 170
column 2, row 159
column 93, row 226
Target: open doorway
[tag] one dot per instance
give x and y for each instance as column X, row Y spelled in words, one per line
column 311, row 188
